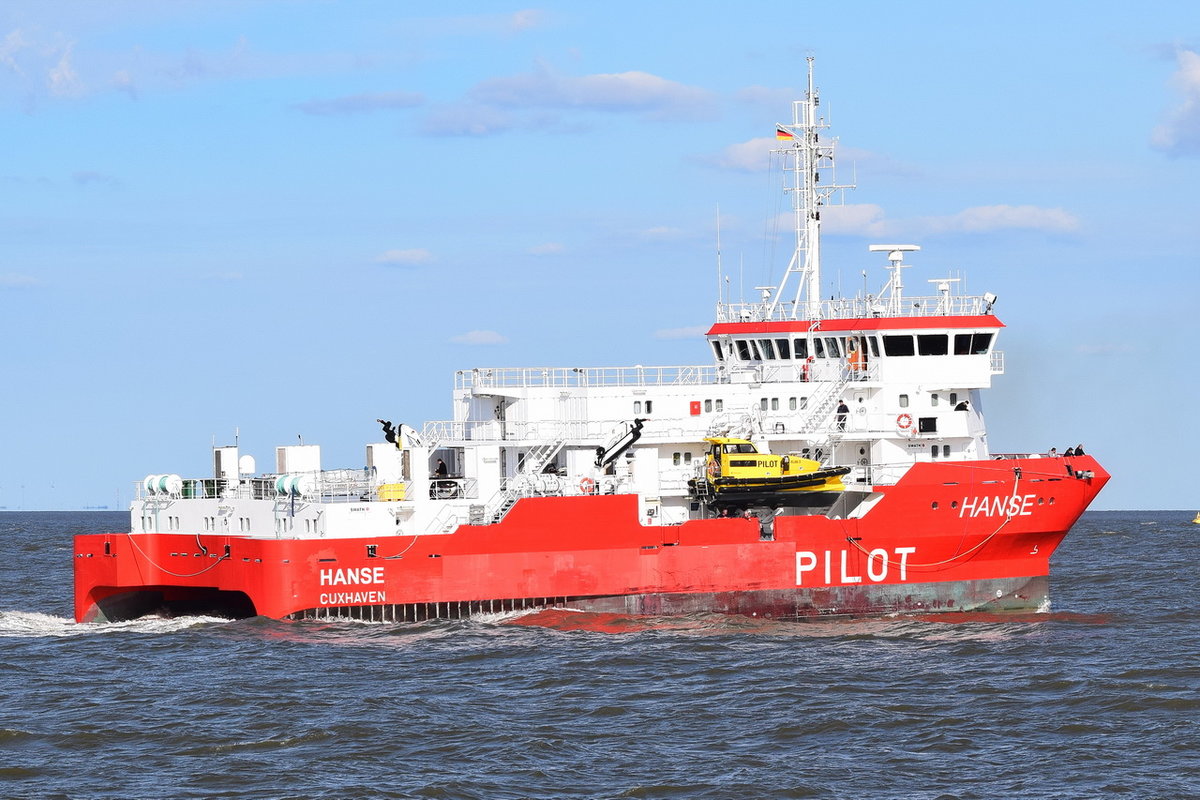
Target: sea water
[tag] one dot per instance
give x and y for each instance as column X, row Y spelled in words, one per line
column 1098, row 697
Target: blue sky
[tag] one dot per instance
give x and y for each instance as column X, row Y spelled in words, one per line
column 288, row 219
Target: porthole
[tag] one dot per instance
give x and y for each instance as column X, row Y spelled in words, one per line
column 954, row 504
column 1041, row 501
column 934, row 505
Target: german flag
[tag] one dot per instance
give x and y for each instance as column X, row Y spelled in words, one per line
column 780, row 133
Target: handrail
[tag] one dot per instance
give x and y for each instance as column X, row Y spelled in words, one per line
column 855, row 308
column 531, row 377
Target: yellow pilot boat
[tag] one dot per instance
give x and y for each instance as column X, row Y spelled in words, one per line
column 735, row 471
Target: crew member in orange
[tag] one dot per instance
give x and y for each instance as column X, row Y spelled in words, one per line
column 856, row 361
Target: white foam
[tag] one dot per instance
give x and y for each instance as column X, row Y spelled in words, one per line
column 29, row 624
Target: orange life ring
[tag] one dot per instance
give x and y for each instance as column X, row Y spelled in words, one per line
column 904, row 422
column 587, row 486
column 714, row 469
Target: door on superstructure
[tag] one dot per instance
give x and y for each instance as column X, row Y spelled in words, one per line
column 858, row 413
column 502, row 416
column 571, row 411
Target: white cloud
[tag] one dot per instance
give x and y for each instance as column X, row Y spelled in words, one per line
column 411, row 257
column 1179, row 133
column 479, row 338
column 750, row 156
column 122, row 81
column 870, row 220
column 13, row 280
column 681, row 333
column 526, row 19
column 634, row 91
column 361, row 103
column 467, row 120
column 866, row 219
column 62, row 79
column 984, row 219
column 662, row 233
column 547, row 249
column 13, row 43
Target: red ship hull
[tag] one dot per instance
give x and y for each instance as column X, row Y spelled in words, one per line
column 947, row 537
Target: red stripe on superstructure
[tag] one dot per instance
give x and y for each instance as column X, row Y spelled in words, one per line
column 863, row 324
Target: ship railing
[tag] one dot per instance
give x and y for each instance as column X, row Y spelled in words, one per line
column 532, row 431
column 884, row 474
column 324, row 486
column 567, row 377
column 855, row 308
column 1013, row 456
column 453, row 489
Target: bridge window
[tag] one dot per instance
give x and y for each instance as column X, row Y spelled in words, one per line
column 818, row 348
column 768, row 349
column 743, row 349
column 874, row 342
column 801, row 348
column 783, row 346
column 969, row 344
column 716, row 346
column 933, row 344
column 898, row 346
column 831, row 345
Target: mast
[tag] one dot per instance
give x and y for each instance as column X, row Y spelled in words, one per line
column 806, row 154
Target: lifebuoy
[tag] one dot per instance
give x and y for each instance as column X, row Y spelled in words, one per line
column 714, row 469
column 587, row 486
column 904, row 422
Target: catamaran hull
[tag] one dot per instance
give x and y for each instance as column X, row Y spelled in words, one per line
column 948, row 537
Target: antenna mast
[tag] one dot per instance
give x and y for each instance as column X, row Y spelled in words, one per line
column 808, row 155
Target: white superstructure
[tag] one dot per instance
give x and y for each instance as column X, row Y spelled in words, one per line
column 909, row 370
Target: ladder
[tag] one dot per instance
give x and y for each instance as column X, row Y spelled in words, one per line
column 824, row 404
column 515, row 488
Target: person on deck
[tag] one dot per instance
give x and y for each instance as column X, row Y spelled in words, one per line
column 842, row 411
column 855, row 359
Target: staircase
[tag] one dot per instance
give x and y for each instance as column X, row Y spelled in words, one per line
column 823, row 404
column 518, row 486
